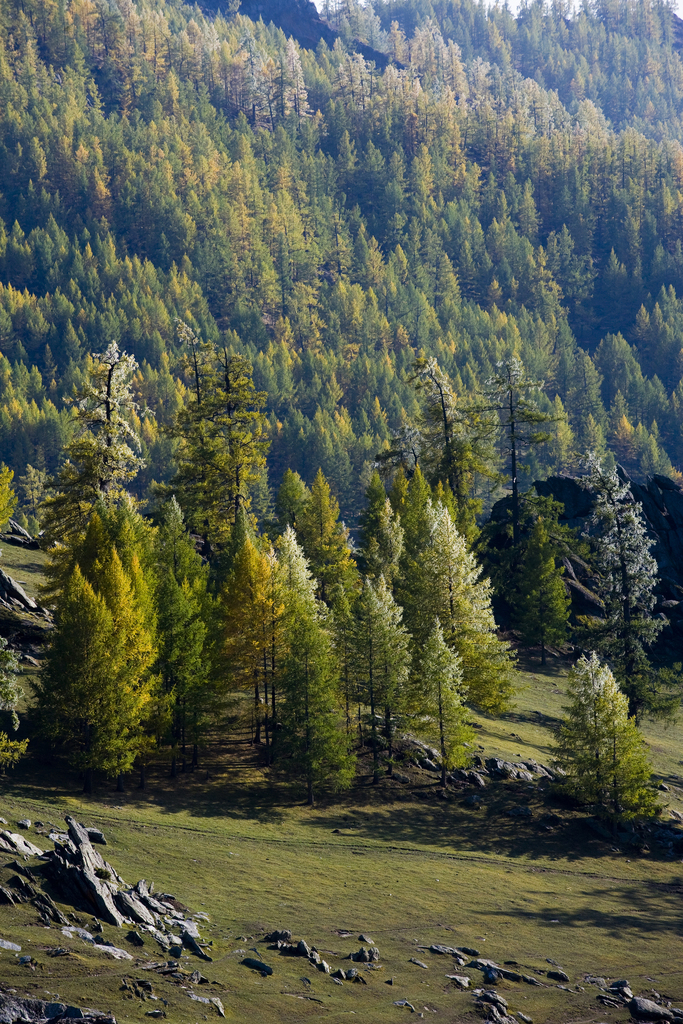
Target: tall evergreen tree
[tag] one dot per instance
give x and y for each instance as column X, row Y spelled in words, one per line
column 599, row 746
column 183, row 609
column 8, row 499
column 325, row 539
column 456, row 440
column 511, row 394
column 441, row 699
column 316, row 746
column 94, row 690
column 292, row 496
column 249, row 610
column 381, row 660
column 628, row 575
column 444, row 583
column 10, row 695
column 103, row 454
column 221, row 438
column 381, row 534
column 541, row 605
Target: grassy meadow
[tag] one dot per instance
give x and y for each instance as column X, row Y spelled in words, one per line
column 396, row 863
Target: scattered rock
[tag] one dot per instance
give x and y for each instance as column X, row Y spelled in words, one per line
column 95, row 835
column 302, row 949
column 521, row 811
column 404, row 1002
column 461, row 980
column 191, row 943
column 14, row 843
column 279, row 935
column 365, row 938
column 418, row 963
column 491, row 996
column 24, row 823
column 12, row 946
column 400, row 777
column 558, row 975
column 645, row 1009
column 37, row 1011
column 429, row 765
column 256, row 965
column 365, row 956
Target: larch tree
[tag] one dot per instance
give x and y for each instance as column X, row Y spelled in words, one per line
column 95, row 688
column 381, row 534
column 325, row 539
column 10, row 695
column 599, row 746
column 511, row 393
column 447, row 586
column 8, row 499
column 292, row 496
column 249, row 609
column 315, row 744
column 182, row 610
column 541, row 604
column 221, row 438
column 103, row 454
column 628, row 576
column 380, row 659
column 456, row 440
column 440, row 700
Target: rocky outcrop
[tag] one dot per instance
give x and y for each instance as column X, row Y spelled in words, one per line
column 37, row 1011
column 17, row 535
column 662, row 503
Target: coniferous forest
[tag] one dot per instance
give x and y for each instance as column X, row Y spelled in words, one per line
column 280, row 326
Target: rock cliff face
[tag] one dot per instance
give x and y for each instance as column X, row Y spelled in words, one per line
column 662, row 503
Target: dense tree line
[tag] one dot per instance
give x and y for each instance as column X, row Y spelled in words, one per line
column 330, row 222
column 343, row 292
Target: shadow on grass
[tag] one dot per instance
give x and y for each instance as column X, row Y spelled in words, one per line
column 653, row 909
column 422, row 819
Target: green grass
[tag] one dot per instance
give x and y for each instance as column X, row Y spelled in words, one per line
column 406, row 868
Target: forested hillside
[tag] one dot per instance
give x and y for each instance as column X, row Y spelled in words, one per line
column 505, row 186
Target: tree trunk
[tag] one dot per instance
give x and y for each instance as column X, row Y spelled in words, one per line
column 143, row 779
column 119, row 784
column 87, row 784
column 195, row 756
column 388, row 728
column 174, row 767
column 311, row 798
column 257, row 712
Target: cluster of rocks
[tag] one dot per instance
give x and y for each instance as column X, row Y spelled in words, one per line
column 525, row 771
column 282, row 941
column 618, row 994
column 83, row 878
column 19, row 537
column 37, row 1011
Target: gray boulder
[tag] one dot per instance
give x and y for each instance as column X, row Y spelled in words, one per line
column 645, row 1009
column 133, row 908
column 14, row 593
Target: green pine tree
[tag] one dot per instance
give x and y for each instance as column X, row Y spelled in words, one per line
column 315, row 744
column 542, row 605
column 440, row 698
column 600, row 748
